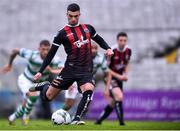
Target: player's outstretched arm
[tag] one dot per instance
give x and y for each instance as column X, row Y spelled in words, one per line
column 54, row 70
column 8, row 66
column 46, row 61
column 101, row 42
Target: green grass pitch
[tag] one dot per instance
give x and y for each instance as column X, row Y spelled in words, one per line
column 107, row 125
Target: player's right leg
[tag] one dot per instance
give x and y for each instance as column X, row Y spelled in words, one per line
column 50, row 91
column 106, row 112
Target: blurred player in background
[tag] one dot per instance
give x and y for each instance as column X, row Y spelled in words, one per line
column 118, row 73
column 25, row 80
column 76, row 39
column 99, row 62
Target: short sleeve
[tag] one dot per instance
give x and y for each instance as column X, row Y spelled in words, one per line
column 129, row 55
column 26, row 53
column 58, row 39
column 92, row 31
column 110, row 61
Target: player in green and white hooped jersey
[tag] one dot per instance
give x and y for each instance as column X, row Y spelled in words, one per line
column 25, row 80
column 99, row 62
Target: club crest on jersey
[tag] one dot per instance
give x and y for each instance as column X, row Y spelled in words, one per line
column 81, row 42
column 86, row 30
column 119, row 66
column 116, row 57
column 59, row 78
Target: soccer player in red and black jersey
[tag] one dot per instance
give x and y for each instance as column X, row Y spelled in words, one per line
column 76, row 39
column 118, row 69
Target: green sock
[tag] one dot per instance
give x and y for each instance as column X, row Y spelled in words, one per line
column 29, row 104
column 19, row 112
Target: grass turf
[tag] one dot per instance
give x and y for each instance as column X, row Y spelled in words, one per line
column 107, row 125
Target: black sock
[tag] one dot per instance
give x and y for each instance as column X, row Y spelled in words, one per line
column 106, row 112
column 43, row 92
column 119, row 112
column 83, row 105
column 40, row 86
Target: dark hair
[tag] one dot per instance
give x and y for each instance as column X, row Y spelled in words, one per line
column 73, row 7
column 44, row 43
column 121, row 34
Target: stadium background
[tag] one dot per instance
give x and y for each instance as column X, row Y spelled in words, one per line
column 152, row 92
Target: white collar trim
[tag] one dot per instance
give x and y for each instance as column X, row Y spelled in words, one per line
column 126, row 46
column 74, row 25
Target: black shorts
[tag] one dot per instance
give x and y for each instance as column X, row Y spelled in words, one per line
column 68, row 76
column 116, row 83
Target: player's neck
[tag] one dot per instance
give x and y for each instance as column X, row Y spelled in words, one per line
column 72, row 25
column 121, row 49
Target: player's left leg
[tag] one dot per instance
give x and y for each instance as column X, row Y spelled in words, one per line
column 87, row 91
column 118, row 97
column 17, row 114
column 24, row 84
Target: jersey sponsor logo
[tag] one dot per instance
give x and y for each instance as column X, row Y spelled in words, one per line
column 69, row 34
column 116, row 57
column 119, row 66
column 71, row 64
column 86, row 30
column 81, row 42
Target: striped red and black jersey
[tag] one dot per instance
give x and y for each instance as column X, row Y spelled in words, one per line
column 120, row 59
column 77, row 44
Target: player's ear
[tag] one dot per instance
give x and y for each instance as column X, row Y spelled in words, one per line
column 116, row 40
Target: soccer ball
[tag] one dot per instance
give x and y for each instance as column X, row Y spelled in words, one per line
column 60, row 117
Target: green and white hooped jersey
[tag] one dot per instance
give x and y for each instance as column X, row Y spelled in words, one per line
column 35, row 62
column 99, row 62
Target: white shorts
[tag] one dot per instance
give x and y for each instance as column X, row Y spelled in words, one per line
column 24, row 84
column 72, row 92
